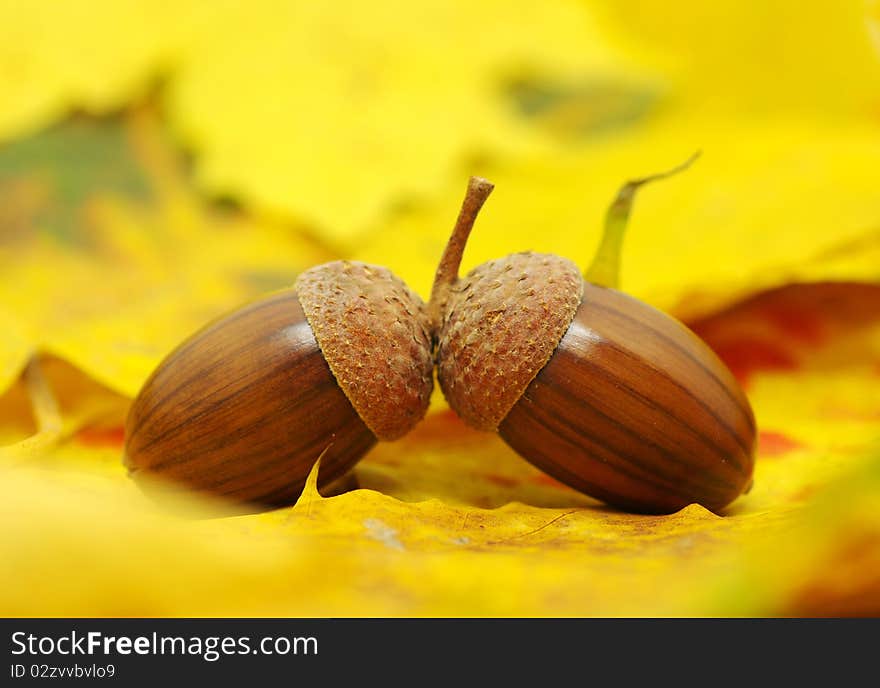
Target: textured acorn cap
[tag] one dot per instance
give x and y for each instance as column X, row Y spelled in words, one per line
column 501, row 325
column 375, row 336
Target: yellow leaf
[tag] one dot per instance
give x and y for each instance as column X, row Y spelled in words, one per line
column 797, row 203
column 14, row 349
column 335, row 116
column 115, row 261
column 52, row 403
column 330, row 115
column 826, row 562
column 94, row 55
column 449, row 522
column 808, row 355
column 731, row 56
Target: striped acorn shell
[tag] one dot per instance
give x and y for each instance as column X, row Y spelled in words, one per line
column 600, row 390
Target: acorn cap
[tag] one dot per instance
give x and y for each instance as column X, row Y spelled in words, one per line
column 501, row 325
column 375, row 336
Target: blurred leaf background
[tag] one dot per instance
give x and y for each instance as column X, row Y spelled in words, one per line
column 162, row 162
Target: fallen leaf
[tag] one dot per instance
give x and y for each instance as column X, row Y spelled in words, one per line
column 115, row 260
column 449, row 522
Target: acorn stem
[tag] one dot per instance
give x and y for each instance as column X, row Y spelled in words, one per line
column 478, row 191
column 605, row 268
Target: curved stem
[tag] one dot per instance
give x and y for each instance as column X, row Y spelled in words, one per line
column 478, row 191
column 605, row 268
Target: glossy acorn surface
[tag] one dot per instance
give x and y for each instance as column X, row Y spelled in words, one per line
column 636, row 410
column 600, row 390
column 244, row 408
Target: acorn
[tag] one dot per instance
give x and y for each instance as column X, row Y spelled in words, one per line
column 598, row 389
column 243, row 408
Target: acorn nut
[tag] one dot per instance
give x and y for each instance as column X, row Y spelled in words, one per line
column 598, row 389
column 244, row 407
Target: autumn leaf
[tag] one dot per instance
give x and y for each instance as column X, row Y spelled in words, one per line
column 316, row 104
column 163, row 163
column 450, row 522
column 109, row 260
column 781, row 56
column 740, row 220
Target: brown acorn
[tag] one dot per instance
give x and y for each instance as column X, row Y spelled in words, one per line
column 244, row 407
column 598, row 389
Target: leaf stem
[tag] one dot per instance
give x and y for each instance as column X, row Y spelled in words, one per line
column 605, row 268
